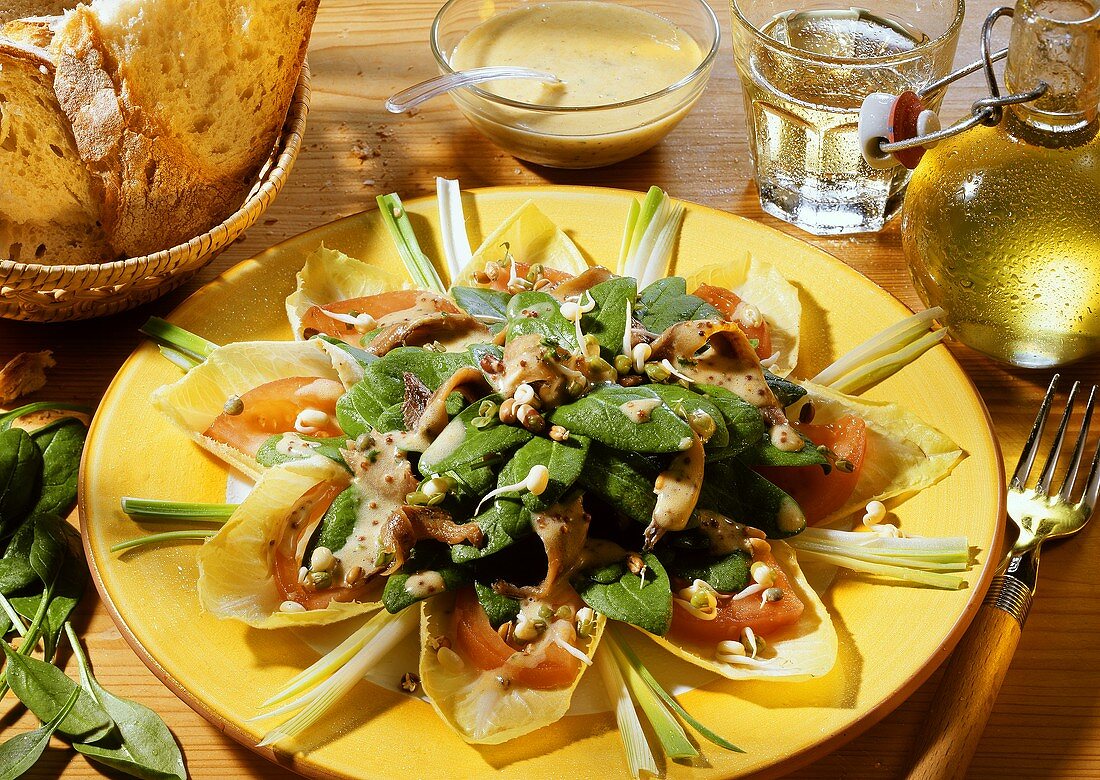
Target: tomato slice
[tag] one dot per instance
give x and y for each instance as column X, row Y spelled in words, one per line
column 734, row 616
column 727, row 301
column 477, row 642
column 273, row 407
column 378, row 306
column 818, row 493
column 553, row 274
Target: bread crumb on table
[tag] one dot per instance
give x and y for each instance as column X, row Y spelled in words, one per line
column 23, row 374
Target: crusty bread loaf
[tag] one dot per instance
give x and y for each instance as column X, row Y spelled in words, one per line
column 21, row 9
column 36, row 31
column 48, row 199
column 176, row 105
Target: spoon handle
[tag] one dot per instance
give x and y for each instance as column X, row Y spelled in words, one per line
column 426, row 90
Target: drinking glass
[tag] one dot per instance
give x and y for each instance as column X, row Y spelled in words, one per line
column 804, row 73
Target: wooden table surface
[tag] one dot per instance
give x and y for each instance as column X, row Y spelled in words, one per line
column 1047, row 719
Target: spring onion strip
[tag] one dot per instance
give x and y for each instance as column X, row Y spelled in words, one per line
column 639, row 756
column 393, row 629
column 906, row 574
column 645, row 214
column 872, row 373
column 166, row 536
column 13, row 616
column 657, row 265
column 8, row 418
column 939, row 549
column 182, row 361
column 420, row 268
column 889, row 341
column 667, row 698
column 184, row 341
column 628, row 236
column 328, row 664
column 674, row 740
column 158, row 510
column 452, row 224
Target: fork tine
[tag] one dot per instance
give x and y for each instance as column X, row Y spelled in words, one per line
column 1027, row 457
column 1056, row 446
column 1092, row 486
column 1079, row 449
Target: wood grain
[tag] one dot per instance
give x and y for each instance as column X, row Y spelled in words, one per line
column 971, row 681
column 1046, row 722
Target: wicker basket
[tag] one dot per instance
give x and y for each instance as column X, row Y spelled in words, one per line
column 54, row 293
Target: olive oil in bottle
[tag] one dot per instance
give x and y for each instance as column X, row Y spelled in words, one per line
column 1001, row 225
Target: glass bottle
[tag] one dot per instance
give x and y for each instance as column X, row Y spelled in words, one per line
column 1001, row 225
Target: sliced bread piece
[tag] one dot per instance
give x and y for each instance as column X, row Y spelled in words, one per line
column 34, row 31
column 177, row 105
column 49, row 201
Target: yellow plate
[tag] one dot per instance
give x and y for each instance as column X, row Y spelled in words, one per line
column 891, row 637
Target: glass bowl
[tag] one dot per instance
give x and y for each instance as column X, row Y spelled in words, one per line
column 587, row 136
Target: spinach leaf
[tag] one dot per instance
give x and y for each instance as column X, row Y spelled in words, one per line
column 539, row 312
column 621, row 595
column 666, row 302
column 499, row 609
column 785, row 391
column 67, row 590
column 269, row 454
column 600, row 416
column 426, row 556
column 481, row 301
column 462, row 449
column 360, row 356
column 20, row 470
column 736, row 491
column 607, row 322
column 728, row 573
column 15, row 568
column 743, row 420
column 60, row 448
column 685, row 402
column 564, row 460
column 767, row 454
column 338, row 521
column 623, row 480
column 45, row 689
column 141, row 746
column 49, row 548
column 371, row 402
column 506, row 520
column 20, row 753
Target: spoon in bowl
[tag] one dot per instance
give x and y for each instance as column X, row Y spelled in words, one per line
column 426, row 90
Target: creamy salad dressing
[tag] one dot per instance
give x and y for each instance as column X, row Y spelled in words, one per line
column 640, row 409
column 605, row 53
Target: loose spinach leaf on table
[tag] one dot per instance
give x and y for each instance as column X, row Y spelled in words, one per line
column 607, row 322
column 141, row 745
column 44, row 689
column 498, row 608
column 66, row 593
column 20, row 475
column 601, row 417
column 60, row 447
column 666, row 302
column 372, row 402
column 623, row 480
column 269, row 454
column 20, row 753
column 427, row 556
column 49, row 548
column 620, row 595
column 15, row 568
column 733, row 489
column 539, row 312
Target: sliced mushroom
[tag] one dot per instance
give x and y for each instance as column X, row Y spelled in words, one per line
column 408, row 525
column 549, row 370
column 677, row 489
column 563, row 529
column 581, row 283
column 426, row 417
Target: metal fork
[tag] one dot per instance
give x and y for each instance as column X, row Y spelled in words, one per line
column 977, row 668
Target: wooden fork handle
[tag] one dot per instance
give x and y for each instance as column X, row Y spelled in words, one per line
column 971, row 682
